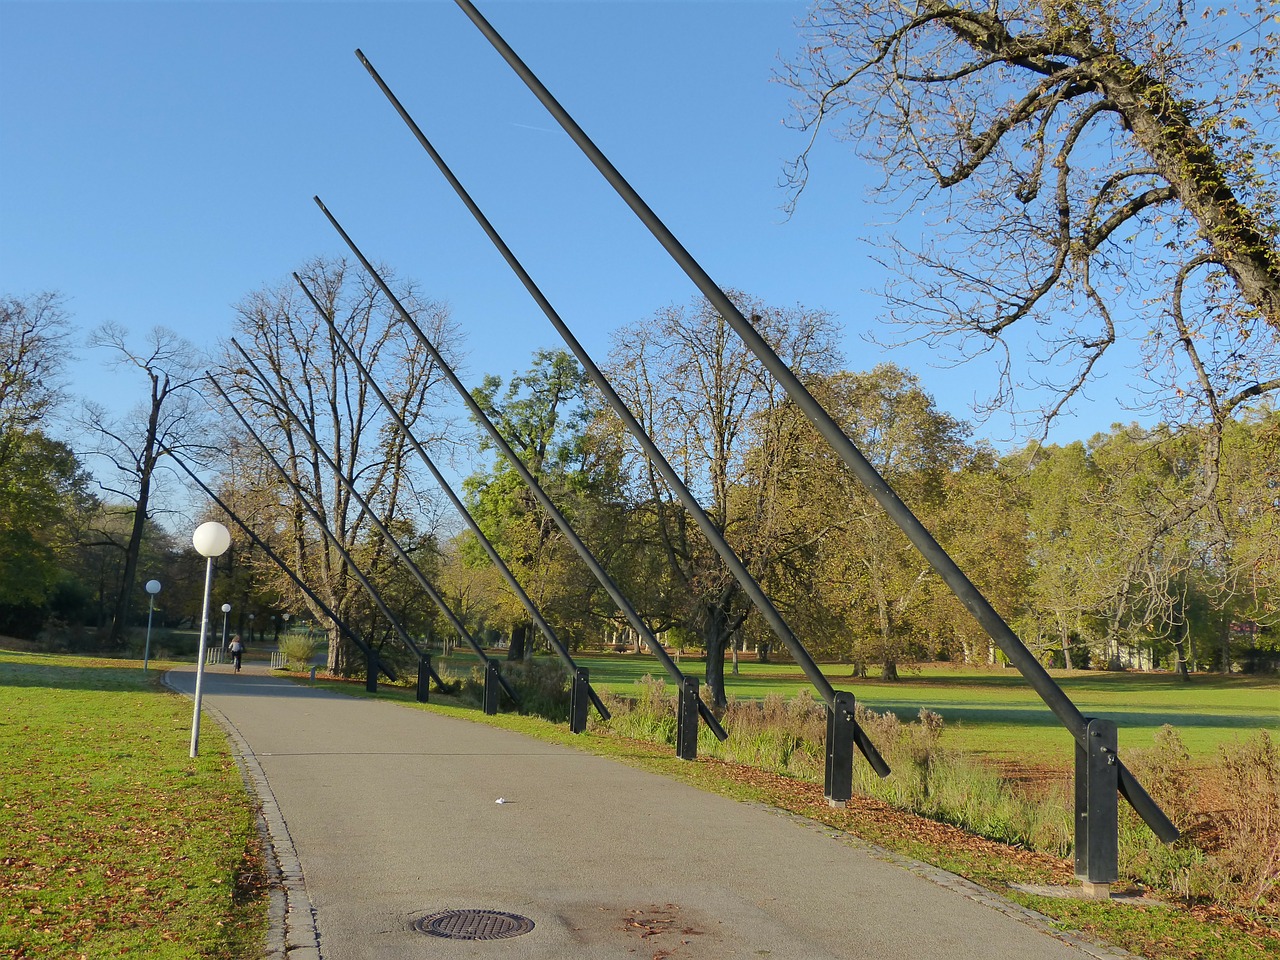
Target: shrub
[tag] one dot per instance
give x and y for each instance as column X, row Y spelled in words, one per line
column 298, row 649
column 542, row 686
column 1248, row 862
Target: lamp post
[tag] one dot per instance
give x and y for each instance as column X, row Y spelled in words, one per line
column 210, row 540
column 226, row 609
column 153, row 587
column 251, row 628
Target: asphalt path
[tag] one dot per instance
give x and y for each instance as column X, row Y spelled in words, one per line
column 389, row 815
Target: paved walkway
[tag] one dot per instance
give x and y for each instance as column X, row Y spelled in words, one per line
column 383, row 815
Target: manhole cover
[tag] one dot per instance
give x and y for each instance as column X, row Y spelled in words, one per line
column 473, row 925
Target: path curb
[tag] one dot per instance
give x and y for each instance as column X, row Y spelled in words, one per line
column 291, row 917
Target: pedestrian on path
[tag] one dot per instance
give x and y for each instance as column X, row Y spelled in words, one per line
column 237, row 650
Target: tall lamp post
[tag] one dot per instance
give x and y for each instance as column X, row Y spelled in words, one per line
column 251, row 628
column 210, row 540
column 226, row 609
column 153, row 587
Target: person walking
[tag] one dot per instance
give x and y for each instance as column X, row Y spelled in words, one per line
column 237, row 650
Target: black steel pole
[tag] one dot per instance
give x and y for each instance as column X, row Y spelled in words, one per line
column 749, row 584
column 392, row 542
column 315, row 515
column 284, row 567
column 458, row 505
column 951, row 574
column 623, row 604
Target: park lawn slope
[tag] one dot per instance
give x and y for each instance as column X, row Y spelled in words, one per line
column 116, row 843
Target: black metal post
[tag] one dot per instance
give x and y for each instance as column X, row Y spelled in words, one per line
column 837, row 784
column 579, row 700
column 687, row 719
column 371, row 673
column 946, row 568
column 602, row 577
column 284, row 567
column 1097, row 815
column 492, row 681
column 425, row 673
column 655, row 456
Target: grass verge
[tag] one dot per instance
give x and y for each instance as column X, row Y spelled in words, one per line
column 116, row 843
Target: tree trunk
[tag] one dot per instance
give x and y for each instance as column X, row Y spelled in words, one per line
column 716, row 634
column 519, row 639
column 762, row 651
column 146, row 468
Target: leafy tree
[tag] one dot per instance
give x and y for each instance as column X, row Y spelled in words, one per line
column 543, row 416
column 41, row 481
column 42, row 486
column 868, row 572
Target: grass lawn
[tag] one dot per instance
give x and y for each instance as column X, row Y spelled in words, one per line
column 994, row 712
column 115, row 842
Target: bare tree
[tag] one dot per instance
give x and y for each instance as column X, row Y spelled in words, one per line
column 701, row 395
column 171, row 419
column 34, row 335
column 1094, row 171
column 295, row 348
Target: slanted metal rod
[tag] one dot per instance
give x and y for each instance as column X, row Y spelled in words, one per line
column 960, row 585
column 624, row 605
column 458, row 505
column 749, row 584
column 315, row 515
column 284, row 567
column 391, row 541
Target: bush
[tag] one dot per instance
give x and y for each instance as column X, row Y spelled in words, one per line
column 542, row 686
column 298, row 649
column 1248, row 862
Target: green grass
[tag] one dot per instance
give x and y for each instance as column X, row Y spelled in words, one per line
column 994, row 713
column 115, row 842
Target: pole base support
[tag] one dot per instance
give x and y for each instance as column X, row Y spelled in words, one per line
column 492, row 688
column 687, row 720
column 838, row 773
column 579, row 700
column 1096, row 891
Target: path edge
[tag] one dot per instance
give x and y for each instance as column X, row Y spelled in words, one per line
column 291, row 916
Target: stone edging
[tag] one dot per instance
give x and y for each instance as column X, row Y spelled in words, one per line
column 291, row 918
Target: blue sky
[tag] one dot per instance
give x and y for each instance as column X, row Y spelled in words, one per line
column 158, row 160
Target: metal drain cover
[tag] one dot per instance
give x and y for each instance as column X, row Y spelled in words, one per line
column 473, row 925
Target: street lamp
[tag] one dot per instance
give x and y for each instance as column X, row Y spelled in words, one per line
column 153, row 587
column 210, row 540
column 251, row 628
column 226, row 609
